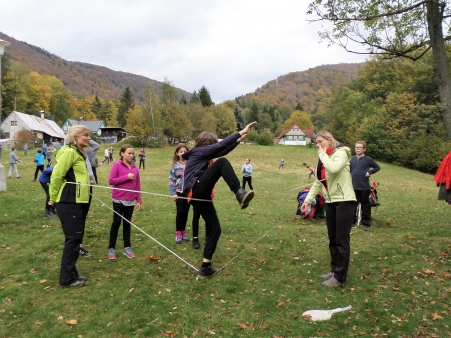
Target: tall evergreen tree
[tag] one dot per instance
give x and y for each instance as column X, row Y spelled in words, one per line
column 127, row 102
column 194, row 98
column 239, row 117
column 96, row 106
column 204, row 96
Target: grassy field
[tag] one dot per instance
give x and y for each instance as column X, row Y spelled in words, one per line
column 399, row 279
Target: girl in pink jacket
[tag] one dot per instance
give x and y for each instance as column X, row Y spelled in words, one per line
column 124, row 175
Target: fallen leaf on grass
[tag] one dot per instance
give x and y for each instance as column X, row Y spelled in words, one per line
column 409, row 236
column 243, row 326
column 42, row 281
column 279, row 304
column 307, row 316
column 72, row 322
column 153, row 258
column 446, row 275
column 428, row 271
column 435, row 316
column 168, row 334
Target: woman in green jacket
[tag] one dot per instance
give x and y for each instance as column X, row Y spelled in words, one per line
column 334, row 180
column 72, row 200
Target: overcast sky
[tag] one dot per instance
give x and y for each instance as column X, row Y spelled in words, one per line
column 231, row 47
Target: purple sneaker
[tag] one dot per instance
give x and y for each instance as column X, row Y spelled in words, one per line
column 128, row 252
column 111, row 253
column 178, row 237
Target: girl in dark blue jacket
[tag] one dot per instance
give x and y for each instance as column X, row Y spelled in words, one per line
column 200, row 178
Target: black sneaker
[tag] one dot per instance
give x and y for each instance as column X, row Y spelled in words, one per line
column 207, row 271
column 48, row 213
column 75, row 284
column 196, row 244
column 84, row 252
column 244, row 197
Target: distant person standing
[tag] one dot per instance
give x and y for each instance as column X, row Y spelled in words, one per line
column 44, row 150
column 142, row 158
column 282, row 163
column 312, row 171
column 246, row 169
column 40, row 160
column 110, row 152
column 49, row 157
column 13, row 159
column 91, row 156
column 362, row 167
column 443, row 179
column 25, row 149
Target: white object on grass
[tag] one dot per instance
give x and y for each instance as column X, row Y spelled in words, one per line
column 316, row 315
column 359, row 214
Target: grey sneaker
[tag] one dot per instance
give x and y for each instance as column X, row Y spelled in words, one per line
column 327, row 275
column 78, row 283
column 332, row 282
column 207, row 271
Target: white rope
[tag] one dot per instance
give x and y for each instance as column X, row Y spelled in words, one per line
column 304, row 186
column 145, row 233
column 139, row 191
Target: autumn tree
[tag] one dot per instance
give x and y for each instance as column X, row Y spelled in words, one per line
column 127, row 102
column 138, row 126
column 96, row 107
column 168, row 92
column 151, row 111
column 176, row 123
column 225, row 120
column 408, row 29
column 201, row 118
column 301, row 119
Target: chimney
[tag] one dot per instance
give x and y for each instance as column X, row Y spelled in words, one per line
column 42, row 113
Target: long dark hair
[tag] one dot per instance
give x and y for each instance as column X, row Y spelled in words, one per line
column 205, row 139
column 175, row 158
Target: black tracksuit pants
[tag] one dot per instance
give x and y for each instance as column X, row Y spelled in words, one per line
column 363, row 197
column 339, row 216
column 202, row 190
column 73, row 220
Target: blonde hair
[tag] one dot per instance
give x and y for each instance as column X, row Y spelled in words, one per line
column 75, row 131
column 328, row 136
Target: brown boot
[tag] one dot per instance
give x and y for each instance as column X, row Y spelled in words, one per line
column 244, row 197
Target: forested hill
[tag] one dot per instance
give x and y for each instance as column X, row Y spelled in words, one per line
column 81, row 78
column 312, row 88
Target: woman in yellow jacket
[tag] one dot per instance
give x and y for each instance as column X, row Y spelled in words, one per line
column 72, row 200
column 334, row 180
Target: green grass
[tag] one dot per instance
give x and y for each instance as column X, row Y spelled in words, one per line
column 399, row 279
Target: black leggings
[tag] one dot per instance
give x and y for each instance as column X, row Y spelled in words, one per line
column 247, row 179
column 202, row 190
column 126, row 212
column 38, row 167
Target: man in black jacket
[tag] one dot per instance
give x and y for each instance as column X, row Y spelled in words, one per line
column 362, row 167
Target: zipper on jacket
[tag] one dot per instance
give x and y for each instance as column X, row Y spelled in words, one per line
column 340, row 190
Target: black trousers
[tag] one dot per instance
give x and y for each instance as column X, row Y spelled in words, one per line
column 181, row 218
column 142, row 161
column 363, row 197
column 45, row 186
column 126, row 212
column 339, row 217
column 94, row 172
column 195, row 223
column 247, row 179
column 38, row 167
column 73, row 220
column 202, row 190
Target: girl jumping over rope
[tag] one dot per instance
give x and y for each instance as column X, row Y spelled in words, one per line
column 200, row 178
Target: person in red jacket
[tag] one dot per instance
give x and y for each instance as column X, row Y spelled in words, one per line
column 443, row 179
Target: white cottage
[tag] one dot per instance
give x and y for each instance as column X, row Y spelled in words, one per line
column 42, row 129
column 295, row 136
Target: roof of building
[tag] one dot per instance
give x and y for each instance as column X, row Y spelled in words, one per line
column 39, row 124
column 93, row 125
column 294, row 130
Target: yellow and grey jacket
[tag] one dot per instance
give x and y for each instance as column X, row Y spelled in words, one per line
column 338, row 177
